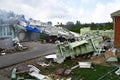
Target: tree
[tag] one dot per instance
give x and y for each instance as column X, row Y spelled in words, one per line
column 78, row 23
column 70, row 24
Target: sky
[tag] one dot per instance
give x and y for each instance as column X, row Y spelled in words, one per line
column 62, row 11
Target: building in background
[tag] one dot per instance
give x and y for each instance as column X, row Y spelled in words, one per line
column 116, row 19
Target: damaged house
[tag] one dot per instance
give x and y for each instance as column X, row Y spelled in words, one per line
column 8, row 24
column 6, row 35
column 30, row 32
column 32, row 29
column 8, row 28
column 13, row 25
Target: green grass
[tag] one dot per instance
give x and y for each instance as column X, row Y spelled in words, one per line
column 94, row 74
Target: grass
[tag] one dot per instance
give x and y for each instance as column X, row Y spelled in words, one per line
column 94, row 74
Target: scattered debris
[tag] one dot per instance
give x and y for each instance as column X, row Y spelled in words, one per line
column 60, row 71
column 43, row 64
column 3, row 53
column 74, row 67
column 13, row 76
column 67, row 72
column 33, row 69
column 22, row 69
column 63, row 71
column 85, row 64
column 37, row 75
column 16, row 46
column 110, row 56
column 65, row 79
column 17, row 42
column 118, row 72
column 52, row 56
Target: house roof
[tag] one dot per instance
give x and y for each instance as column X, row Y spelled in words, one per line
column 116, row 13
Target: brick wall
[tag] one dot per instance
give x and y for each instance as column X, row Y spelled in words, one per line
column 117, row 32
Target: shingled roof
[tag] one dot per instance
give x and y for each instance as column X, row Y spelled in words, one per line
column 116, row 13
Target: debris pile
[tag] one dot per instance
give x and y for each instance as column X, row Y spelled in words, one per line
column 90, row 44
column 34, row 73
column 16, row 47
column 110, row 56
column 63, row 71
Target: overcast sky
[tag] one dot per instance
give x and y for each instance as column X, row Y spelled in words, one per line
column 86, row 11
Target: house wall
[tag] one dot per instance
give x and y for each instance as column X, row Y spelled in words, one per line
column 28, row 36
column 6, row 42
column 21, row 36
column 117, row 31
column 6, row 31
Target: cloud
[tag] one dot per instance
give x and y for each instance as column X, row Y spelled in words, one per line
column 85, row 11
column 86, row 1
column 98, row 11
column 102, row 12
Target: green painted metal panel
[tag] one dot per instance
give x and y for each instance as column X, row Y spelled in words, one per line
column 112, row 59
column 13, row 76
column 77, row 43
column 67, row 49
